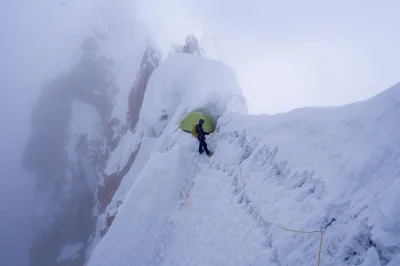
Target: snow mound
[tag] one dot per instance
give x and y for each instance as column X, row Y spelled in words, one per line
column 297, row 170
column 184, row 83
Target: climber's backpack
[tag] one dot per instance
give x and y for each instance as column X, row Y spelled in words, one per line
column 194, row 131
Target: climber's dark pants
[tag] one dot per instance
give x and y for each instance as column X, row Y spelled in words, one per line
column 203, row 144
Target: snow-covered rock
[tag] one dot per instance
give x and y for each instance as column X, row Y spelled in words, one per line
column 297, row 170
column 128, row 149
column 75, row 129
column 150, row 62
column 191, row 46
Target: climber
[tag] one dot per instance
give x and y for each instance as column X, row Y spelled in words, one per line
column 202, row 138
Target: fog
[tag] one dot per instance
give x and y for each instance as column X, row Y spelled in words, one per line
column 40, row 40
column 286, row 55
column 290, row 54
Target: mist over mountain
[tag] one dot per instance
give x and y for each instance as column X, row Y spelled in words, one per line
column 96, row 168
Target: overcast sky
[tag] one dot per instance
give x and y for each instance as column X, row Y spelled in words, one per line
column 287, row 54
column 290, row 54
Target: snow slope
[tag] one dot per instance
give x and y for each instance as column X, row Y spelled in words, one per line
column 299, row 170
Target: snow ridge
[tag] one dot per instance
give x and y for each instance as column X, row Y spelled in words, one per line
column 298, row 170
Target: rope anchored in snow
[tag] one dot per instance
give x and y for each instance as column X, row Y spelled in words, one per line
column 333, row 219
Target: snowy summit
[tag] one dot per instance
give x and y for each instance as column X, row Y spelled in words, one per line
column 315, row 186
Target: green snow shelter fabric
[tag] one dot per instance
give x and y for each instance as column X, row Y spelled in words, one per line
column 193, row 119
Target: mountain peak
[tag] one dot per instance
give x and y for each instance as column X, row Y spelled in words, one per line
column 191, row 46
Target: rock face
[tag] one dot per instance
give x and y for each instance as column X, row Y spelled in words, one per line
column 71, row 149
column 191, row 46
column 150, row 61
column 108, row 203
column 67, row 151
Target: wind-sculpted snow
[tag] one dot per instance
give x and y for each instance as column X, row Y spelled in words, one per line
column 299, row 170
column 184, row 83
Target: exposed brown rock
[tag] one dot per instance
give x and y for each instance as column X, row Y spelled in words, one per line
column 111, row 182
column 150, row 62
column 69, row 181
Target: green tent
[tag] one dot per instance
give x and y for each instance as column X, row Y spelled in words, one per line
column 193, row 119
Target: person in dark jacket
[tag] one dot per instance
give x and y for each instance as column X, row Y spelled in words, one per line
column 201, row 136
